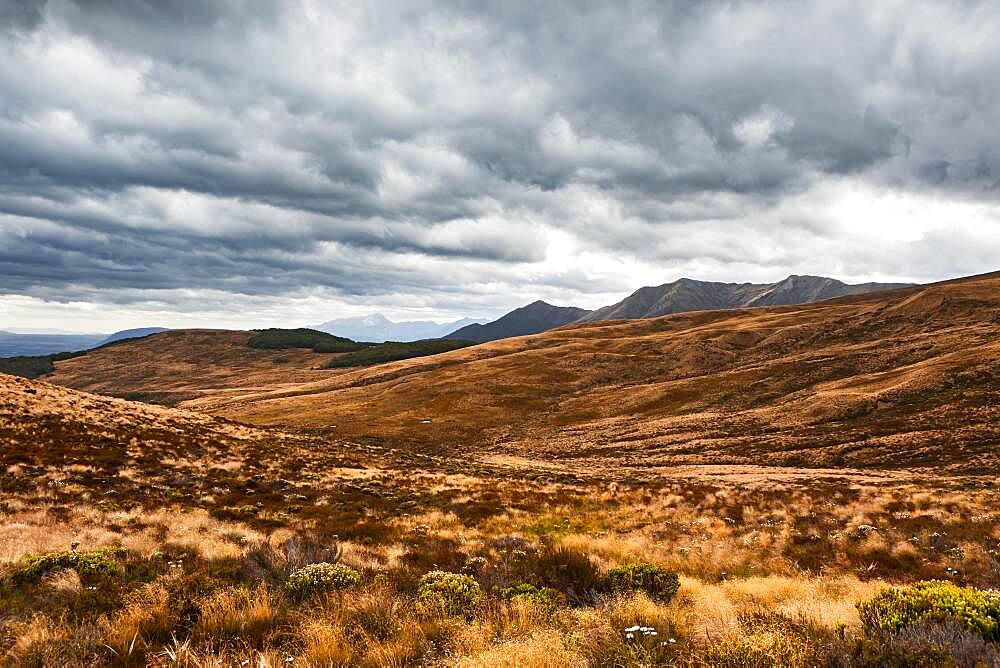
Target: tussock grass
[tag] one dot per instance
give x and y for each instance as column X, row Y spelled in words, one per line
column 544, row 562
column 211, row 591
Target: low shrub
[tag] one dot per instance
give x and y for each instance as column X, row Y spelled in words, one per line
column 453, row 592
column 322, row 577
column 568, row 570
column 549, row 598
column 642, row 576
column 896, row 607
column 95, row 562
column 922, row 645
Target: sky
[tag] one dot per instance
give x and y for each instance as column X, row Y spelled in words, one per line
column 247, row 164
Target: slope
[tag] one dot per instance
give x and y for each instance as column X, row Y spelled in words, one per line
column 170, row 366
column 906, row 378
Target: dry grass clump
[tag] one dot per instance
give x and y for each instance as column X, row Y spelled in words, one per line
column 238, row 613
column 325, row 644
column 542, row 649
column 142, row 625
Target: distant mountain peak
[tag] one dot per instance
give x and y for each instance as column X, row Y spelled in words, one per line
column 532, row 318
column 537, row 305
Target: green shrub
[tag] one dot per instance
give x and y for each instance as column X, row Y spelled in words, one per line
column 453, row 592
column 322, row 577
column 543, row 596
column 642, row 576
column 894, row 608
column 392, row 351
column 568, row 570
column 95, row 562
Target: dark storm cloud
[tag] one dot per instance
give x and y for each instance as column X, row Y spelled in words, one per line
column 16, row 15
column 263, row 147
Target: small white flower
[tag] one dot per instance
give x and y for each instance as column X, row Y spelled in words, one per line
column 630, row 636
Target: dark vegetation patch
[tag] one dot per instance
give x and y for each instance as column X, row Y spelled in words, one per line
column 393, row 351
column 319, row 342
column 34, row 366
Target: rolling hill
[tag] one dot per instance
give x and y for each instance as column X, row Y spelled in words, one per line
column 171, row 366
column 905, row 378
column 690, row 295
column 531, row 319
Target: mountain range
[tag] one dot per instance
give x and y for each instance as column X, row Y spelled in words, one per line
column 686, row 295
column 376, row 328
column 14, row 344
column 681, row 296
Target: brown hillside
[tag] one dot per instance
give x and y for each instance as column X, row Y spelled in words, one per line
column 907, row 378
column 169, row 367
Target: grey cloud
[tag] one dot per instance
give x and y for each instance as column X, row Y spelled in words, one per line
column 265, row 147
column 20, row 15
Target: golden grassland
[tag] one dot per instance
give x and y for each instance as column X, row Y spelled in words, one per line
column 211, row 517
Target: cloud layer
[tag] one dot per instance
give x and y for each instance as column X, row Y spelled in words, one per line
column 213, row 160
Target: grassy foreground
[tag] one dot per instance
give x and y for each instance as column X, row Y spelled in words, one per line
column 768, row 574
column 140, row 535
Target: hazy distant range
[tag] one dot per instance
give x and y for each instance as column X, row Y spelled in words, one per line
column 376, row 328
column 17, row 343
